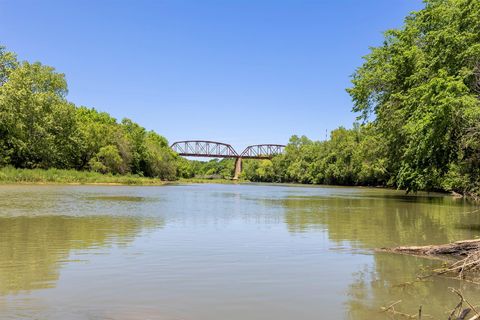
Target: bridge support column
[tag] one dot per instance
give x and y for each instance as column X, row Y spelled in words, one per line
column 238, row 168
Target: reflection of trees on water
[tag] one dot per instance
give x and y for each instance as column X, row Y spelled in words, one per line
column 32, row 248
column 381, row 221
column 372, row 222
column 392, row 278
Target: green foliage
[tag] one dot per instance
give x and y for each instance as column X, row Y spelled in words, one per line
column 259, row 170
column 8, row 62
column 107, row 160
column 95, row 130
column 9, row 174
column 213, row 169
column 185, row 168
column 135, row 135
column 418, row 97
column 36, row 120
column 349, row 157
column 422, row 89
column 159, row 158
column 39, row 128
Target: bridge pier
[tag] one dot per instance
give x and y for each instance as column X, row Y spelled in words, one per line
column 238, row 168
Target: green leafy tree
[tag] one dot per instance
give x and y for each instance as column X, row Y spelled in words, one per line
column 159, row 158
column 107, row 160
column 8, row 63
column 185, row 168
column 36, row 120
column 96, row 130
column 422, row 87
column 39, row 128
column 134, row 135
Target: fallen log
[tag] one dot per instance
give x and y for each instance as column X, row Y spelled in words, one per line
column 458, row 249
column 464, row 257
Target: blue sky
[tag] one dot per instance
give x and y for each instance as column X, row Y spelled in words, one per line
column 241, row 72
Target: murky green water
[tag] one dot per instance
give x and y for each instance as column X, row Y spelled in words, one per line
column 217, row 252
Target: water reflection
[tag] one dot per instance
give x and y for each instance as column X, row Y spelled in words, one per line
column 32, row 249
column 369, row 221
column 382, row 221
column 211, row 252
column 393, row 278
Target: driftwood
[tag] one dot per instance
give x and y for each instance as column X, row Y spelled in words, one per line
column 465, row 266
column 457, row 249
column 460, row 312
column 391, row 309
column 465, row 254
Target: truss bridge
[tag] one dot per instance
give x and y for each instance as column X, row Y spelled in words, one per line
column 214, row 149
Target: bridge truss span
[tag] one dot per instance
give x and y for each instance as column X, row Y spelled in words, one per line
column 262, row 151
column 213, row 149
column 201, row 148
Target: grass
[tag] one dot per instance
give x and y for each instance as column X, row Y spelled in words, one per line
column 10, row 174
column 41, row 176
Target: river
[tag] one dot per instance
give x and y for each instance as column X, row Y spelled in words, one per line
column 217, row 252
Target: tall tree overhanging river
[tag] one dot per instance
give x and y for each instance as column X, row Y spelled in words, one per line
column 215, row 252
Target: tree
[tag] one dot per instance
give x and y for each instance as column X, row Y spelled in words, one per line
column 39, row 128
column 96, row 130
column 107, row 160
column 8, row 63
column 36, row 120
column 135, row 136
column 159, row 158
column 422, row 86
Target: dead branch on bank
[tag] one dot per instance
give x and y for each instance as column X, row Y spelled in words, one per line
column 465, row 266
column 460, row 313
column 459, row 248
column 465, row 255
column 391, row 309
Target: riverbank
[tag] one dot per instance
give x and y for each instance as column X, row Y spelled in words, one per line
column 61, row 176
column 41, row 176
column 11, row 175
column 461, row 258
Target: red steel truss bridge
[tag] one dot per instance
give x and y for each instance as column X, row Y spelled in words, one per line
column 213, row 149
